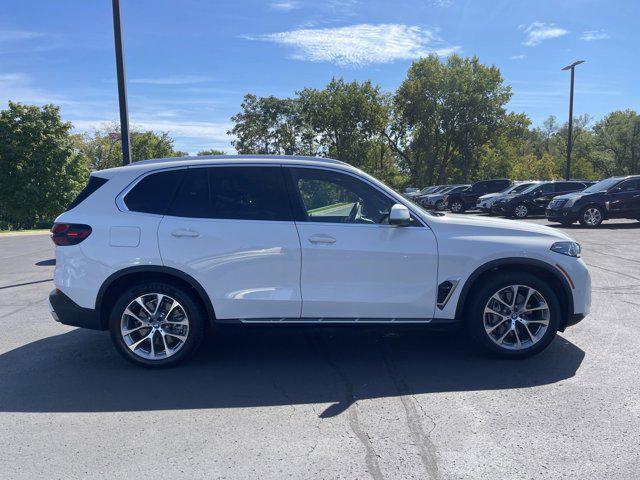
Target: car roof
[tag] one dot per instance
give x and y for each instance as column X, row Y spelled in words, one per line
column 144, row 165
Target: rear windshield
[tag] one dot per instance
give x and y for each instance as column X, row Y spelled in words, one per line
column 94, row 184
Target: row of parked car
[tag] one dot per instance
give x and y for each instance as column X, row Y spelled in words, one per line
column 563, row 201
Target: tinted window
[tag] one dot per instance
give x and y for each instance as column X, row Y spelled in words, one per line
column 334, row 197
column 546, row 188
column 154, row 192
column 192, row 199
column 94, row 184
column 243, row 193
column 630, row 185
column 479, row 187
column 568, row 186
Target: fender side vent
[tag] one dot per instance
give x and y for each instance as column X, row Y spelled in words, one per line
column 445, row 290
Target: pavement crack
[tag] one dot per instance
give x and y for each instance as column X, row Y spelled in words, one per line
column 426, row 448
column 351, row 407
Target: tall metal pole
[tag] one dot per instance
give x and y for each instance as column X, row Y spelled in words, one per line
column 122, row 86
column 570, row 134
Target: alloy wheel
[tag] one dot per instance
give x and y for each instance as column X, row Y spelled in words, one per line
column 456, row 207
column 592, row 216
column 516, row 317
column 521, row 211
column 154, row 326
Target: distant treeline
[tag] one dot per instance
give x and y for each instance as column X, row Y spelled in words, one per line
column 446, row 122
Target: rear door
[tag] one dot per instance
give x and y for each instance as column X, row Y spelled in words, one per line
column 354, row 264
column 231, row 228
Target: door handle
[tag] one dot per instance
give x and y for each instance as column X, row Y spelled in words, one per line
column 327, row 239
column 185, row 232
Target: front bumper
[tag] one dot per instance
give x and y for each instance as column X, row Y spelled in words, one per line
column 67, row 312
column 561, row 215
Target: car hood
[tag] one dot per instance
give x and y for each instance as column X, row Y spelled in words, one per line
column 495, row 227
column 574, row 195
column 488, row 196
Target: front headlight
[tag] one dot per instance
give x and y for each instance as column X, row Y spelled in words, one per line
column 571, row 249
column 569, row 203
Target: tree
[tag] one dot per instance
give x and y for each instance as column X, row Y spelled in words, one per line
column 347, row 118
column 205, row 153
column 617, row 138
column 41, row 168
column 272, row 126
column 444, row 113
column 104, row 150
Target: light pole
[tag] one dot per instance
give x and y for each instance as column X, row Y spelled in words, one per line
column 570, row 135
column 122, row 86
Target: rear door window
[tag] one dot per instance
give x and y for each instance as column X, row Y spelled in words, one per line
column 242, row 193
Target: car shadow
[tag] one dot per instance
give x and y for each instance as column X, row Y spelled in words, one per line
column 79, row 371
column 606, row 225
column 46, row 263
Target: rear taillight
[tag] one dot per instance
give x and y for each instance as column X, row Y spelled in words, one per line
column 64, row 234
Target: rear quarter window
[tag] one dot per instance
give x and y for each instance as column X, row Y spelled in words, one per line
column 154, row 193
column 93, row 184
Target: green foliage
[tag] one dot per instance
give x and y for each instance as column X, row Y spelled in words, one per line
column 104, row 150
column 41, row 167
column 205, row 153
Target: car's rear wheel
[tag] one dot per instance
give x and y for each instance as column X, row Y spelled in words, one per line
column 513, row 315
column 521, row 211
column 457, row 206
column 591, row 216
column 156, row 324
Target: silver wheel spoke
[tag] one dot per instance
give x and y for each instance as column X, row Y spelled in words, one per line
column 526, row 331
column 132, row 326
column 491, row 329
column 135, row 345
column 180, row 337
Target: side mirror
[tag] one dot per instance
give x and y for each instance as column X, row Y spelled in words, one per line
column 399, row 215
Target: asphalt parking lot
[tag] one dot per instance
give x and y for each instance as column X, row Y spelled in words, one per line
column 323, row 403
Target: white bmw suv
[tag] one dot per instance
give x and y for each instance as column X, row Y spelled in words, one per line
column 158, row 250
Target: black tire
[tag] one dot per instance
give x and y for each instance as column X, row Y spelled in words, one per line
column 457, row 206
column 476, row 306
column 440, row 205
column 191, row 306
column 566, row 224
column 591, row 216
column 520, row 211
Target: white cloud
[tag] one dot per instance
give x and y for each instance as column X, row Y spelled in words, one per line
column 360, row 44
column 172, row 80
column 215, row 131
column 518, row 57
column 540, row 31
column 592, row 35
column 285, row 6
column 14, row 35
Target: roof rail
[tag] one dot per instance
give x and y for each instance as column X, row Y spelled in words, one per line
column 238, row 157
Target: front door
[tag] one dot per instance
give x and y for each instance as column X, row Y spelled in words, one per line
column 231, row 228
column 624, row 200
column 354, row 264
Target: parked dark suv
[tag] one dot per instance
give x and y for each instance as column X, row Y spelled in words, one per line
column 534, row 200
column 460, row 201
column 616, row 197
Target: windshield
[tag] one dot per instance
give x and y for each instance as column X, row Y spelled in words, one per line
column 602, row 185
column 446, row 189
column 531, row 188
column 460, row 188
column 427, row 190
column 521, row 188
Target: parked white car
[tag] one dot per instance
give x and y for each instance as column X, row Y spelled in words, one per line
column 157, row 250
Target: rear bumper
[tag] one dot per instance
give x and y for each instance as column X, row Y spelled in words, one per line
column 66, row 311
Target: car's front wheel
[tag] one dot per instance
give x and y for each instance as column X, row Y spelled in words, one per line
column 513, row 315
column 457, row 206
column 591, row 217
column 521, row 211
column 440, row 205
column 156, row 324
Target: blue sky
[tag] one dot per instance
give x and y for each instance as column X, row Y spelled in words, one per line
column 189, row 62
